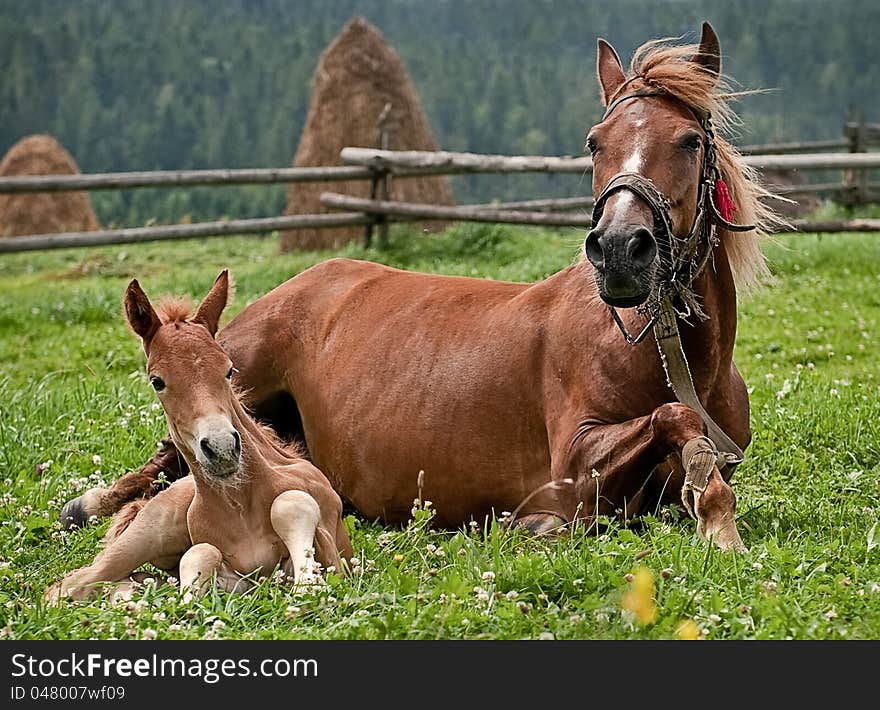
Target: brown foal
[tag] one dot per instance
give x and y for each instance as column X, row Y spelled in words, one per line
column 251, row 503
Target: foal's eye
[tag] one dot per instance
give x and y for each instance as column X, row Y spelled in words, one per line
column 592, row 145
column 691, row 142
column 158, row 383
column 229, row 374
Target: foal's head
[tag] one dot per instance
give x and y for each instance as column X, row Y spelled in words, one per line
column 192, row 377
column 657, row 136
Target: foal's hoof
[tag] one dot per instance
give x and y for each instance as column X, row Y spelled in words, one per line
column 52, row 595
column 73, row 514
column 541, row 524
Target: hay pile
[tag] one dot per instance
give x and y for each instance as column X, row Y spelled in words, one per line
column 357, row 75
column 43, row 212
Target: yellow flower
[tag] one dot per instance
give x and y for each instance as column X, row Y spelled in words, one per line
column 639, row 599
column 688, row 630
column 398, row 558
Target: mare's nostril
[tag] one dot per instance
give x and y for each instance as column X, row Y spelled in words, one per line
column 642, row 248
column 206, row 449
column 593, row 248
column 236, row 446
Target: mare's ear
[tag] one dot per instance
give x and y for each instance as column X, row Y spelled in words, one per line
column 708, row 55
column 212, row 307
column 609, row 70
column 140, row 313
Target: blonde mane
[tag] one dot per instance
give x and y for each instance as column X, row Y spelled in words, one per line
column 668, row 68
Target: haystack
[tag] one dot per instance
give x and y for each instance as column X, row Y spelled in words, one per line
column 43, row 212
column 357, row 75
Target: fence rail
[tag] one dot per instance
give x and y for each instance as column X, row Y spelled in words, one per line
column 136, row 235
column 180, row 178
column 463, row 213
column 364, row 163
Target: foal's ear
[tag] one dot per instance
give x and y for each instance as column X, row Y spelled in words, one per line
column 708, row 55
column 212, row 307
column 140, row 313
column 609, row 69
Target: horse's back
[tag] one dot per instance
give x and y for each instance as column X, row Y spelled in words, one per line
column 394, row 372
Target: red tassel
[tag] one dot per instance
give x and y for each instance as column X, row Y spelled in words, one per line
column 723, row 201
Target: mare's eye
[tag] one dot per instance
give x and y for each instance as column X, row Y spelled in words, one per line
column 229, row 374
column 592, row 145
column 158, row 383
column 691, row 142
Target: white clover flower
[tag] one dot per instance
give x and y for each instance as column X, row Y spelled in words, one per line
column 96, row 459
column 488, row 576
column 149, row 635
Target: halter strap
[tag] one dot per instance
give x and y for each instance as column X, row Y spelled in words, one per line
column 634, row 95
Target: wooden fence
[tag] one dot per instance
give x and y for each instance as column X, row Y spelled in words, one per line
column 378, row 166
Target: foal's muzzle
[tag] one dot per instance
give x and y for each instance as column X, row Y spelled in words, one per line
column 218, row 449
column 625, row 261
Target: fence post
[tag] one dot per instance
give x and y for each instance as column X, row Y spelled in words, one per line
column 379, row 183
column 385, row 184
column 856, row 180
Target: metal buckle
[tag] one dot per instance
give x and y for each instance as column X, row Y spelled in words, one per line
column 626, row 336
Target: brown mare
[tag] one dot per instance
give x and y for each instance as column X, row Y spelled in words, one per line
column 251, row 503
column 507, row 392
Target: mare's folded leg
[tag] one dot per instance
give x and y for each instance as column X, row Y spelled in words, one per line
column 616, row 467
column 144, row 483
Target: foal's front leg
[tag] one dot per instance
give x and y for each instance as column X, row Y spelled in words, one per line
column 295, row 516
column 200, row 565
column 626, row 464
column 158, row 534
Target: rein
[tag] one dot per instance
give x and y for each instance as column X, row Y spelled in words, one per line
column 685, row 264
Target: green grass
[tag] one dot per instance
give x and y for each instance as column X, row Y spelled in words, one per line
column 74, row 393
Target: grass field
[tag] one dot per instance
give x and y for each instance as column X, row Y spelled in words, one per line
column 76, row 410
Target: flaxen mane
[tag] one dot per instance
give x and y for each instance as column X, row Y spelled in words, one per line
column 668, row 68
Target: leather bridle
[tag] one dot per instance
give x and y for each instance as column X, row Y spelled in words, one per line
column 681, row 258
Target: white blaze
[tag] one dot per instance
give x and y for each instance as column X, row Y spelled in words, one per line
column 633, row 164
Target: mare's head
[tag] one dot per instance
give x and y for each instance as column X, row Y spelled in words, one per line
column 652, row 128
column 192, row 376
